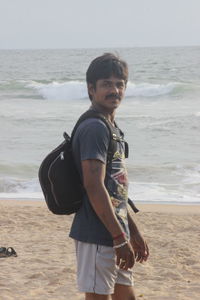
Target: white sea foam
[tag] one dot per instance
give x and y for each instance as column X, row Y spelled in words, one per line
column 14, row 188
column 186, row 192
column 183, row 188
column 22, row 195
column 77, row 90
column 149, row 89
column 61, row 91
column 15, row 185
column 163, row 193
column 189, row 175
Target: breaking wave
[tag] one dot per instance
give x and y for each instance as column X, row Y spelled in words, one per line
column 69, row 90
column 77, row 90
column 17, row 188
column 74, row 89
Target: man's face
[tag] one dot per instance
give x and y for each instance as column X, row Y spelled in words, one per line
column 108, row 92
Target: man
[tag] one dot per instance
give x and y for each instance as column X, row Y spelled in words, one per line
column 107, row 239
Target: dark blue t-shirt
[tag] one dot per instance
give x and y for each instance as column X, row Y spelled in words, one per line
column 91, row 141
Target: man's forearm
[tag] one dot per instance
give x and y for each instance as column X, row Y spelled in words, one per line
column 102, row 205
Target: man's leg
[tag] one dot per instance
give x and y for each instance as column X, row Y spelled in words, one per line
column 91, row 296
column 123, row 292
column 96, row 270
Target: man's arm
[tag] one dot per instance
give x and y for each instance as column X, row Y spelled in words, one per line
column 139, row 245
column 93, row 180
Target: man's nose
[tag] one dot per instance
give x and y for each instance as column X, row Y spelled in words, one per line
column 114, row 88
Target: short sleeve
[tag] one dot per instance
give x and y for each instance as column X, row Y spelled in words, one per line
column 93, row 140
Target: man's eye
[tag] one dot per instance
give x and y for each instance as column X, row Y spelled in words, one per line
column 120, row 85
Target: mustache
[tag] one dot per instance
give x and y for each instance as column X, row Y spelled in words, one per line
column 115, row 96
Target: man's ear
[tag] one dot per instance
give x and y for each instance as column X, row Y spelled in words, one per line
column 90, row 88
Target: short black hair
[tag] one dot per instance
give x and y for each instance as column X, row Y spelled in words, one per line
column 105, row 66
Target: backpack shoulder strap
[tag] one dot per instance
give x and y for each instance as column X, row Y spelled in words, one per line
column 113, row 136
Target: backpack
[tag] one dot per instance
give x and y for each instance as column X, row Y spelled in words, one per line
column 58, row 175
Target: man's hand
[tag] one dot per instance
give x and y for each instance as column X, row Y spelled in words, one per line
column 125, row 257
column 140, row 247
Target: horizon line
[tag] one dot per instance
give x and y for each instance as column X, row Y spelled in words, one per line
column 107, row 47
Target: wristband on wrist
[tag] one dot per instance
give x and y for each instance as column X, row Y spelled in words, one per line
column 122, row 234
column 120, row 245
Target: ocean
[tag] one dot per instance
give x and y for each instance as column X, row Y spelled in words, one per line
column 43, row 92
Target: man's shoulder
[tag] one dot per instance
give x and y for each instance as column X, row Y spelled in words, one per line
column 92, row 125
column 91, row 140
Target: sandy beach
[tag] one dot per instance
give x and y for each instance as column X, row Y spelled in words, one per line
column 45, row 266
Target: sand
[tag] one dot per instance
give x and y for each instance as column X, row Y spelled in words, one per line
column 45, row 267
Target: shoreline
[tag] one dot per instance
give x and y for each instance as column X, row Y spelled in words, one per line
column 143, row 207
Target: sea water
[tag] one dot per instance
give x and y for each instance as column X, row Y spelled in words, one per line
column 43, row 92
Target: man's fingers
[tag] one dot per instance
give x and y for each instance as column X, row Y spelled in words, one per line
column 139, row 256
column 136, row 255
column 141, row 251
column 127, row 262
column 142, row 254
column 118, row 260
column 147, row 250
column 125, row 257
column 132, row 261
column 123, row 264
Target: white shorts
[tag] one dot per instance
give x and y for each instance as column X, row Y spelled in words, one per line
column 97, row 271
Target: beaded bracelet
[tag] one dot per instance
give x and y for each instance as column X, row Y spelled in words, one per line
column 122, row 234
column 120, row 245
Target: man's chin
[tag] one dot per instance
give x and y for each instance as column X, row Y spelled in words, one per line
column 113, row 106
column 115, row 103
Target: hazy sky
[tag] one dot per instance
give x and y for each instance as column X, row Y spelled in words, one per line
column 98, row 23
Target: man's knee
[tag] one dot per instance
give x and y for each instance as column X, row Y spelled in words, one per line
column 123, row 292
column 91, row 296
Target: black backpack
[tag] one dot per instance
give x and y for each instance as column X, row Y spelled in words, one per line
column 58, row 175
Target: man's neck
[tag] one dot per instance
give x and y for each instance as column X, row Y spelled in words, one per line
column 110, row 115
